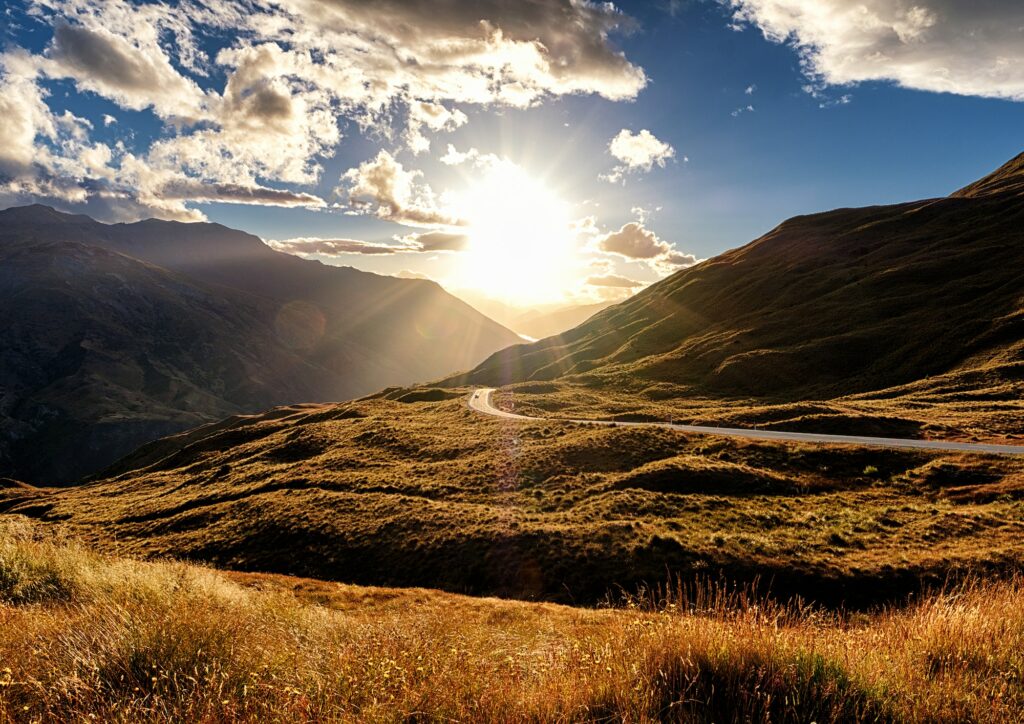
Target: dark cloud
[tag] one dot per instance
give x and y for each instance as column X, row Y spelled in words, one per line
column 334, row 247
column 633, row 241
column 236, row 193
column 437, row 241
column 110, row 65
column 571, row 38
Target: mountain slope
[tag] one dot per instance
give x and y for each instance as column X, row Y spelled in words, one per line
column 114, row 335
column 831, row 304
column 384, row 491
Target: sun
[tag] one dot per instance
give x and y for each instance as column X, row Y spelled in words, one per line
column 521, row 247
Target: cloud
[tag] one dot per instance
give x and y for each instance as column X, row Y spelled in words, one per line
column 454, row 157
column 481, row 52
column 741, row 110
column 436, row 241
column 252, row 96
column 419, row 243
column 633, row 242
column 950, row 46
column 637, row 152
column 187, row 189
column 383, row 188
column 309, row 246
column 133, row 76
column 614, row 280
column 25, row 114
column 433, row 116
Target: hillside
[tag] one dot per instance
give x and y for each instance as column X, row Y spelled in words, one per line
column 399, row 490
column 841, row 303
column 113, row 335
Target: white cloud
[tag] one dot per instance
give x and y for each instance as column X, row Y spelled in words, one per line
column 25, row 114
column 433, row 116
column 954, row 46
column 383, row 188
column 741, row 110
column 293, row 70
column 637, row 152
column 454, row 157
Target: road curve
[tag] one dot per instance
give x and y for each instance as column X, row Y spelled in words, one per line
column 480, row 401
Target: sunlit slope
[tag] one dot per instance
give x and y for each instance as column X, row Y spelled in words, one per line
column 824, row 305
column 410, row 492
column 111, row 336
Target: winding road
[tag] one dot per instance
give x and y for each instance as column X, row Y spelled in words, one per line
column 480, row 401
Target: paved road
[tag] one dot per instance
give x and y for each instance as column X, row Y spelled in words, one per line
column 480, row 400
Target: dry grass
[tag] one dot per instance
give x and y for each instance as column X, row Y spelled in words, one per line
column 84, row 637
column 975, row 405
column 381, row 492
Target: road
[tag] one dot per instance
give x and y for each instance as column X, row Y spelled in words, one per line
column 480, row 401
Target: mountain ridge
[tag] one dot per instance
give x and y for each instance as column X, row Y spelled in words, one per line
column 840, row 302
column 117, row 313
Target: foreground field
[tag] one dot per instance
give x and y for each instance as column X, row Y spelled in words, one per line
column 412, row 492
column 85, row 637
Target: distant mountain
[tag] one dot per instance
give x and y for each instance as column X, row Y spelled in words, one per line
column 112, row 335
column 535, row 322
column 829, row 304
column 539, row 324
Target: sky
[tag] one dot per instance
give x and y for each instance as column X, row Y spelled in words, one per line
column 535, row 152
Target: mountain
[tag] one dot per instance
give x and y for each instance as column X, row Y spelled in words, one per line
column 533, row 322
column 409, row 487
column 837, row 303
column 112, row 335
column 546, row 323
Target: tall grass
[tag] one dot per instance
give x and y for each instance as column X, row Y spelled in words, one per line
column 84, row 637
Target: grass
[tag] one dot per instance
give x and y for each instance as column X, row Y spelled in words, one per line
column 962, row 406
column 88, row 637
column 428, row 493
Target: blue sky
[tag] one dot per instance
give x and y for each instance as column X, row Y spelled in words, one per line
column 761, row 109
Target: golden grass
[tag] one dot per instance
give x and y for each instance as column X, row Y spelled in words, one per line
column 380, row 492
column 84, row 637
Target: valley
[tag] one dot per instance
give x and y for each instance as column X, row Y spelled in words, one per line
column 366, row 493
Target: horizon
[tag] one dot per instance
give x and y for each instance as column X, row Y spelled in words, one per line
column 502, row 310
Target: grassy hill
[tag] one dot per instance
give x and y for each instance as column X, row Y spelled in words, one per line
column 849, row 302
column 409, row 492
column 114, row 335
column 87, row 637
